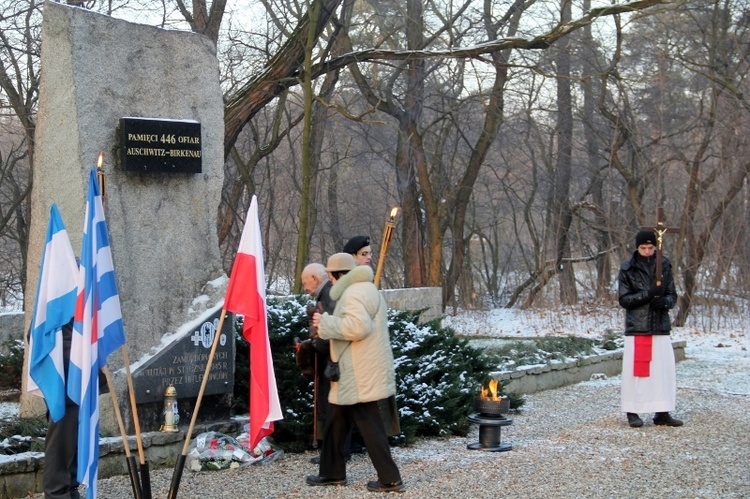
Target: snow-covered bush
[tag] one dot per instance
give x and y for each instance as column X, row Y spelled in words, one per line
column 437, row 376
column 11, row 364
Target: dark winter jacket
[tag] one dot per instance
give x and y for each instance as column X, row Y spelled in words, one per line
column 324, row 303
column 309, row 349
column 324, row 298
column 635, row 281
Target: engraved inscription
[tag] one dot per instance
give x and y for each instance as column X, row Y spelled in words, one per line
column 184, row 364
column 151, row 145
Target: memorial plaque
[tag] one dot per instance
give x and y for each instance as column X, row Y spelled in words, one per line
column 152, row 145
column 183, row 364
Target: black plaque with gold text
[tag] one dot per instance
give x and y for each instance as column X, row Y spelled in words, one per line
column 183, row 364
column 151, row 145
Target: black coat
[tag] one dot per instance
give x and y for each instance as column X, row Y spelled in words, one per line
column 324, row 298
column 313, row 353
column 635, row 280
column 325, row 303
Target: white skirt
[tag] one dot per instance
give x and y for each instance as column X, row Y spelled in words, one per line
column 658, row 392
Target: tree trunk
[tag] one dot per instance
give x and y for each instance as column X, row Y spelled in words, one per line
column 303, row 234
column 561, row 212
column 412, row 227
column 279, row 74
column 409, row 155
column 590, row 130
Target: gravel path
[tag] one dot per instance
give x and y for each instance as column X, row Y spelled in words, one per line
column 570, row 442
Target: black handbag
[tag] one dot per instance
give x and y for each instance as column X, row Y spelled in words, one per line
column 332, row 372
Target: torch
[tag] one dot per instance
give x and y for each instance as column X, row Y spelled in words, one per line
column 390, row 224
column 100, row 174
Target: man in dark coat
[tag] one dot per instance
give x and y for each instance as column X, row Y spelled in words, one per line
column 648, row 365
column 315, row 282
column 59, row 479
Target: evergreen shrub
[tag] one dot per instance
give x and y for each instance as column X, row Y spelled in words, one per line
column 18, row 435
column 11, row 364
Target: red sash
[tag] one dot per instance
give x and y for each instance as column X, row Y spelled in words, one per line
column 642, row 356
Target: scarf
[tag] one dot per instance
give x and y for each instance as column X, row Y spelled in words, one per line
column 642, row 356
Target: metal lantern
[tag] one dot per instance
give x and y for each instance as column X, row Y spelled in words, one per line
column 171, row 416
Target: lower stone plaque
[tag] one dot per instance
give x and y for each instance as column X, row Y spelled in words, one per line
column 183, row 364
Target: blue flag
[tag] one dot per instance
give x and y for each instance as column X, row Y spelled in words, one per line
column 97, row 332
column 53, row 308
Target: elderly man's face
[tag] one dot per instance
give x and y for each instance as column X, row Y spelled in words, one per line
column 310, row 284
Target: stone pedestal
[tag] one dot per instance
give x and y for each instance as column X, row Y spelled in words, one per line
column 95, row 71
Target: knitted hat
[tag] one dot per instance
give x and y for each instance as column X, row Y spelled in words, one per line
column 355, row 244
column 340, row 261
column 645, row 237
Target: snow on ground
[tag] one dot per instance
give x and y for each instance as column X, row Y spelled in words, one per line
column 8, row 409
column 714, row 341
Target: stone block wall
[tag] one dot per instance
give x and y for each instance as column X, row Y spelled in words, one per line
column 531, row 379
column 429, row 299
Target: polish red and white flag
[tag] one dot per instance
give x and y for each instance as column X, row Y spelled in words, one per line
column 246, row 296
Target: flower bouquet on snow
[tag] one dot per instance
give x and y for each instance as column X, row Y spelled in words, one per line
column 217, row 451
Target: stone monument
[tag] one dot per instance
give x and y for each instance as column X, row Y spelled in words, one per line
column 135, row 93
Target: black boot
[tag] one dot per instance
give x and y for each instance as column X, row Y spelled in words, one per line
column 664, row 419
column 633, row 420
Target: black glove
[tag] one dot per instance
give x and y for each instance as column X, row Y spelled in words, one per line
column 311, row 309
column 656, row 291
column 660, row 303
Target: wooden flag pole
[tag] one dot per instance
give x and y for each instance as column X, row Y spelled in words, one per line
column 145, row 473
column 144, row 487
column 180, row 464
column 132, row 470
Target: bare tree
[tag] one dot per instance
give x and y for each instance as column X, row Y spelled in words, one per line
column 15, row 185
column 203, row 19
column 695, row 166
column 593, row 129
column 431, row 133
column 560, row 215
column 19, row 89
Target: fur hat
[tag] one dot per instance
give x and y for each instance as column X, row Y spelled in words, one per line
column 645, row 237
column 355, row 244
column 340, row 261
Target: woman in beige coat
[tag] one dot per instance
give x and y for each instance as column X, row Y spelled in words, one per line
column 358, row 334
